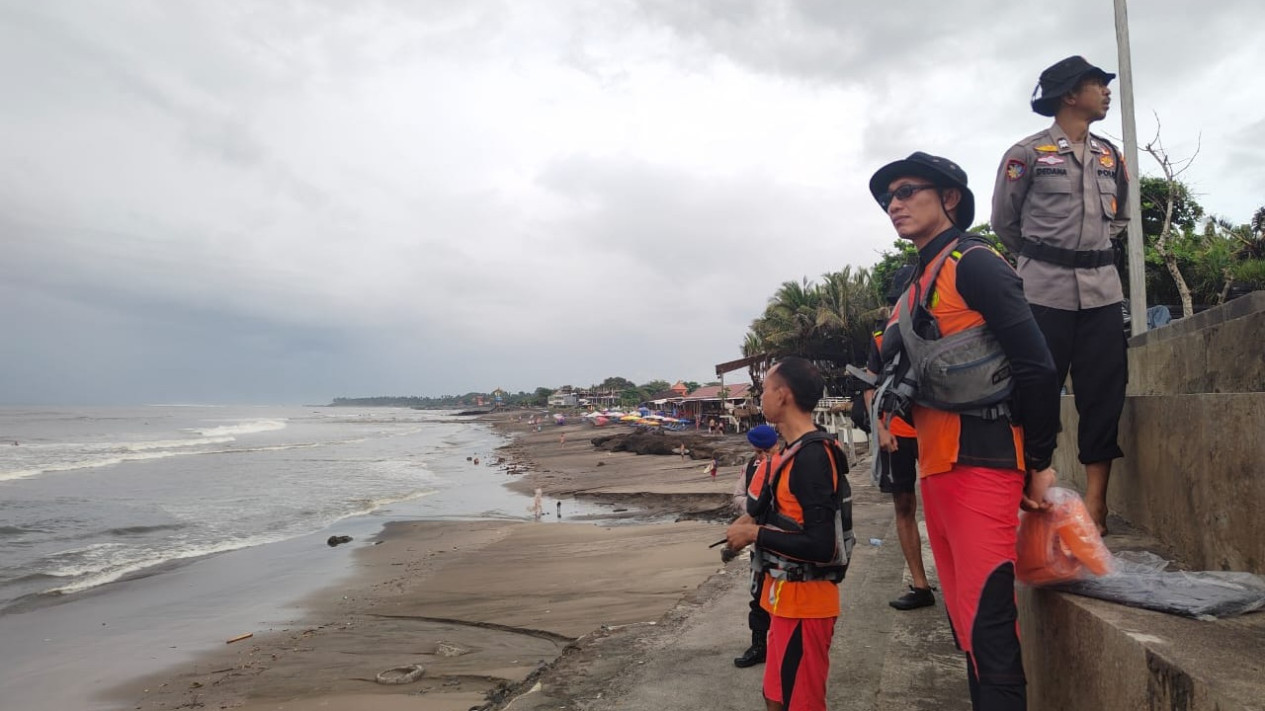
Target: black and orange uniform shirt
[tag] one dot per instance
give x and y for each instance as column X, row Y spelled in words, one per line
column 757, row 497
column 979, row 287
column 874, row 363
column 806, row 494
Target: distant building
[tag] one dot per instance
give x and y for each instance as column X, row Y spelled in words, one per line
column 717, row 401
column 561, row 399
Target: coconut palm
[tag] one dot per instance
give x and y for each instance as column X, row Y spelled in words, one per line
column 789, row 323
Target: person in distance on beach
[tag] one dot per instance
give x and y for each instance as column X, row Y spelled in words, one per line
column 986, row 432
column 763, row 439
column 1059, row 204
column 803, row 538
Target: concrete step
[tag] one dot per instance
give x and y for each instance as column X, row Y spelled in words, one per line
column 1084, row 654
column 883, row 658
column 863, row 632
column 923, row 671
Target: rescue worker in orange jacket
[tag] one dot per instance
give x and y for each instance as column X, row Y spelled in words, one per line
column 803, row 540
column 898, row 448
column 763, row 440
column 970, row 366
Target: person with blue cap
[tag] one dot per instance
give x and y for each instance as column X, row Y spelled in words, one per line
column 763, row 439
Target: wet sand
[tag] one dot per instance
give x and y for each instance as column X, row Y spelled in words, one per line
column 484, row 606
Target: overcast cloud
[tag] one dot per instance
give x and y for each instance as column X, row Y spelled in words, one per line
column 286, row 202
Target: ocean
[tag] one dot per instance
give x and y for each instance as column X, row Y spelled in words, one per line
column 125, row 530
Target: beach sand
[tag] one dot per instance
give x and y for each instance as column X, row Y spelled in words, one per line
column 485, row 607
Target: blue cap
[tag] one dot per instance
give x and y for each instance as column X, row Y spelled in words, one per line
column 762, row 437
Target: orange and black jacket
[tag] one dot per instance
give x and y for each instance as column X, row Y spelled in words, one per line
column 811, row 500
column 986, row 285
column 874, row 363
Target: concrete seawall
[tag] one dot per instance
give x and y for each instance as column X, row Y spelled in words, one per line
column 1193, row 482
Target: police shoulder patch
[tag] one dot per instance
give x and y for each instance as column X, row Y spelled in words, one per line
column 1015, row 169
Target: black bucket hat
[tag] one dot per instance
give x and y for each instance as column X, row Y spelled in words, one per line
column 1059, row 79
column 900, row 281
column 942, row 172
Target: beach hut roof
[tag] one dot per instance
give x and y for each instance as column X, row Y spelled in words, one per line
column 737, row 391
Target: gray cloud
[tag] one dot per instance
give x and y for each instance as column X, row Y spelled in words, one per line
column 287, row 202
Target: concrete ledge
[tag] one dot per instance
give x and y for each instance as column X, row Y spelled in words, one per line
column 1193, row 474
column 1090, row 655
column 1217, row 351
column 1086, row 654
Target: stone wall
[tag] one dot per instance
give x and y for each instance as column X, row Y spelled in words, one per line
column 1193, row 474
column 1217, row 351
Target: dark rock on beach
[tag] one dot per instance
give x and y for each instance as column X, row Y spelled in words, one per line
column 696, row 446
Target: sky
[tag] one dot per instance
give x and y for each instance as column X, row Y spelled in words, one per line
column 284, row 202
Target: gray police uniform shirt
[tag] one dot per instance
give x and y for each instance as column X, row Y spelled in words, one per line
column 1044, row 193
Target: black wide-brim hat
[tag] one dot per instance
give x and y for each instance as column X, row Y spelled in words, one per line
column 942, row 172
column 1061, row 78
column 900, row 281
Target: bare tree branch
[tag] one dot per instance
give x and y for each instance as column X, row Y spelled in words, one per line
column 1156, row 150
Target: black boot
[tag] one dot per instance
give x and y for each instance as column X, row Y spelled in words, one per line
column 914, row 599
column 755, row 653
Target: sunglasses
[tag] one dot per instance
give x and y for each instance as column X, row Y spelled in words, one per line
column 902, row 193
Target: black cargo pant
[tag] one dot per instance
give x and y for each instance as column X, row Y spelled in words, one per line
column 758, row 617
column 1091, row 343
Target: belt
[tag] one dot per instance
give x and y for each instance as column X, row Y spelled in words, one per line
column 1077, row 259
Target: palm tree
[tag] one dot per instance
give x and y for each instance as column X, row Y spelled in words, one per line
column 789, row 323
column 849, row 304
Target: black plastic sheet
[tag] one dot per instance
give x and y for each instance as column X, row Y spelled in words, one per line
column 1140, row 581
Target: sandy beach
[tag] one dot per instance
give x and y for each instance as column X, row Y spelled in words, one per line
column 485, row 607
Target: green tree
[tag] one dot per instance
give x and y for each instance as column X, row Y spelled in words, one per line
column 617, row 383
column 655, row 387
column 902, row 253
column 789, row 323
column 848, row 306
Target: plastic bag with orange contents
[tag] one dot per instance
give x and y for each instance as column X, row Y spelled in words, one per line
column 1060, row 544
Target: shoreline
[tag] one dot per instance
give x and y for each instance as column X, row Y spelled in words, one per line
column 509, row 599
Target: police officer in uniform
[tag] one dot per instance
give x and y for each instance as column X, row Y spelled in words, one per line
column 1058, row 204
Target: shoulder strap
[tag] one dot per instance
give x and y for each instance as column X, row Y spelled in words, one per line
column 965, row 243
column 828, row 441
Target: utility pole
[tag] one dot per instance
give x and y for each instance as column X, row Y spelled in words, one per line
column 1135, row 244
